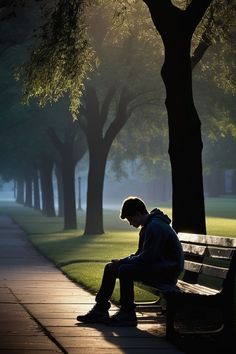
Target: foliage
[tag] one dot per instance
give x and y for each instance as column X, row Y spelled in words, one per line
column 66, row 55
column 23, row 132
column 220, row 153
column 146, row 146
column 62, row 61
column 217, row 111
column 217, row 30
column 222, row 67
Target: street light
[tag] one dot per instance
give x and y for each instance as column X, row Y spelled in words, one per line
column 79, row 194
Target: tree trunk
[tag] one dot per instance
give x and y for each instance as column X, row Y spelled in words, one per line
column 94, row 210
column 36, row 190
column 20, row 191
column 68, row 176
column 47, row 187
column 59, row 190
column 185, row 144
column 67, row 163
column 28, row 191
column 99, row 144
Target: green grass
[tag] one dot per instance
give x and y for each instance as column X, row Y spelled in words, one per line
column 83, row 258
column 221, row 207
column 221, row 226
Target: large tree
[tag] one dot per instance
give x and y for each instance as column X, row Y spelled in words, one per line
column 100, row 138
column 115, row 91
column 176, row 27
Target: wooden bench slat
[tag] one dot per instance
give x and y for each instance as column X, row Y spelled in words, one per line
column 213, row 271
column 192, row 266
column 214, row 252
column 207, row 239
column 218, row 272
column 221, row 253
column 196, row 288
column 193, row 249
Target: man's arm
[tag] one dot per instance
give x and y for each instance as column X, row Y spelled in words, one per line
column 152, row 250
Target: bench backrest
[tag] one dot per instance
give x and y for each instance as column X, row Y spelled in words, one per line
column 208, row 257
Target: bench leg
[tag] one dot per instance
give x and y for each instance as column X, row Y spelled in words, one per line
column 171, row 334
column 169, row 323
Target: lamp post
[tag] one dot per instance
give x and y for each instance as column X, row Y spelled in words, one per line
column 14, row 188
column 79, row 193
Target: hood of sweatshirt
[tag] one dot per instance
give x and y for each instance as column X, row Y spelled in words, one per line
column 157, row 213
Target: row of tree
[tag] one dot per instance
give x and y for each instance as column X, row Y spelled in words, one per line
column 122, row 59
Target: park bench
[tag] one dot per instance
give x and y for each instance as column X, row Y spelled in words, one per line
column 206, row 286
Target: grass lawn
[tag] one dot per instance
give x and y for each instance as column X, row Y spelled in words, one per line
column 82, row 258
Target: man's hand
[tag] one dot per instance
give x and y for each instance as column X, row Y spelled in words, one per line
column 114, row 264
column 115, row 260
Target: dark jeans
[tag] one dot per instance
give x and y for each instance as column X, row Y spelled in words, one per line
column 127, row 274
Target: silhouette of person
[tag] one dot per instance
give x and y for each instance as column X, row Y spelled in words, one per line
column 158, row 261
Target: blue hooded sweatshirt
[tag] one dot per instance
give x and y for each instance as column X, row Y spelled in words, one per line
column 159, row 248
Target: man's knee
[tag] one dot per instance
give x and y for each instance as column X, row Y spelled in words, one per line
column 110, row 268
column 126, row 270
column 107, row 267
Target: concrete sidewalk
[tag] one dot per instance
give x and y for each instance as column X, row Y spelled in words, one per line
column 39, row 305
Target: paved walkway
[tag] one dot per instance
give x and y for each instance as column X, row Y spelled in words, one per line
column 39, row 304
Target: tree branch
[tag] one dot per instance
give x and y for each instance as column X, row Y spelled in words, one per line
column 199, row 51
column 106, row 104
column 82, row 122
column 55, row 140
column 120, row 119
column 196, row 10
column 92, row 104
column 163, row 14
column 151, row 102
column 168, row 18
column 159, row 4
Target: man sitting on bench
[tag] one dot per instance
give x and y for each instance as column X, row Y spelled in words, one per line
column 158, row 260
